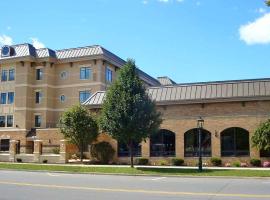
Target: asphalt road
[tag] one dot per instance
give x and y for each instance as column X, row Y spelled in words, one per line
column 19, row 185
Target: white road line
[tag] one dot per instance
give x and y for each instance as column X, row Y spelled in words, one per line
column 50, row 174
column 154, row 179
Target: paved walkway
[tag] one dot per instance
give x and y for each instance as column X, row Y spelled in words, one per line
column 148, row 166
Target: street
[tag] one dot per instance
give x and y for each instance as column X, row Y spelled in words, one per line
column 20, row 185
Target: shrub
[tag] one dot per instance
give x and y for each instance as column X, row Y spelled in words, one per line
column 216, row 161
column 142, row 161
column 236, row 164
column 177, row 162
column 163, row 162
column 266, row 164
column 255, row 162
column 74, row 156
column 45, row 161
column 56, row 150
column 103, row 152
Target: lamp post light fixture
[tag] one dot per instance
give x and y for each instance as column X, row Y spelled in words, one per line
column 200, row 123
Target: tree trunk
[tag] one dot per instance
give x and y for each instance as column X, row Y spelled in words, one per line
column 131, row 153
column 81, row 152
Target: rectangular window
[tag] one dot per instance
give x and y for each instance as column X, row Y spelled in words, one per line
column 2, row 121
column 39, row 74
column 11, row 75
column 10, row 97
column 4, row 145
column 38, row 97
column 85, row 73
column 37, row 121
column 3, row 99
column 9, row 120
column 108, row 75
column 4, row 75
column 84, row 95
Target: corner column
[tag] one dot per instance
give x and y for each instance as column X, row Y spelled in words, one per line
column 63, row 152
column 37, row 150
column 146, row 148
column 12, row 150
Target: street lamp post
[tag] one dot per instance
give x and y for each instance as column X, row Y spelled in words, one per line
column 200, row 122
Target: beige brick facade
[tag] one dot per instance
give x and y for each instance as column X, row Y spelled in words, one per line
column 61, row 77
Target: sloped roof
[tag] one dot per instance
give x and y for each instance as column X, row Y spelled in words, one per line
column 164, row 80
column 221, row 91
column 21, row 50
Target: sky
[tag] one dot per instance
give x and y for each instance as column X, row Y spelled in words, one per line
column 186, row 40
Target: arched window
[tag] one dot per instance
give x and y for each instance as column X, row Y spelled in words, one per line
column 265, row 153
column 191, row 143
column 123, row 150
column 162, row 144
column 234, row 142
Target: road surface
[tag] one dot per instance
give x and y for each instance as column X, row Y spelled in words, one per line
column 20, row 185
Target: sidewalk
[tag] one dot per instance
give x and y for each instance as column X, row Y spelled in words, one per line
column 148, row 166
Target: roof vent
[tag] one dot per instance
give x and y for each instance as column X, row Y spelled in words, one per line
column 7, row 51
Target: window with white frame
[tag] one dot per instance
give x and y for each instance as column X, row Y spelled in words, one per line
column 108, row 74
column 10, row 98
column 37, row 120
column 84, row 95
column 38, row 97
column 11, row 75
column 3, row 98
column 85, row 73
column 4, row 75
column 39, row 74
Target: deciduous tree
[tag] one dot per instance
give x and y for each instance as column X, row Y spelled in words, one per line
column 128, row 114
column 79, row 126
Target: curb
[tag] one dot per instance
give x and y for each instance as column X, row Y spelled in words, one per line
column 136, row 175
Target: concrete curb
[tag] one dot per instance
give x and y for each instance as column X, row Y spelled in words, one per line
column 135, row 175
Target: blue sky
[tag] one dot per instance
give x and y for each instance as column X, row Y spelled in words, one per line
column 187, row 40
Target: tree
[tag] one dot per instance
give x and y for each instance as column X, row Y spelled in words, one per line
column 267, row 2
column 261, row 137
column 128, row 114
column 79, row 126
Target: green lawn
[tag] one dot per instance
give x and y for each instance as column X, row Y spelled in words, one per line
column 134, row 171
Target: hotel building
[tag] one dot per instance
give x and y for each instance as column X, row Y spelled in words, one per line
column 37, row 85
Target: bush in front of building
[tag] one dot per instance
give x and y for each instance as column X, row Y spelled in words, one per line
column 236, row 164
column 266, row 164
column 256, row 162
column 216, row 161
column 56, row 150
column 103, row 152
column 177, row 162
column 142, row 161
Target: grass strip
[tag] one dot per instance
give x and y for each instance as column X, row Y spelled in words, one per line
column 136, row 171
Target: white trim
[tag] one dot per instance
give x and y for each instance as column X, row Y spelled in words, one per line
column 38, row 109
column 11, row 129
column 62, row 86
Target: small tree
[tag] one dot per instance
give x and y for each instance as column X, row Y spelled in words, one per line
column 79, row 126
column 261, row 137
column 128, row 114
column 267, row 2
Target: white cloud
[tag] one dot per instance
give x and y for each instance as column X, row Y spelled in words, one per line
column 36, row 43
column 5, row 40
column 164, row 1
column 260, row 10
column 180, row 1
column 256, row 32
column 145, row 2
